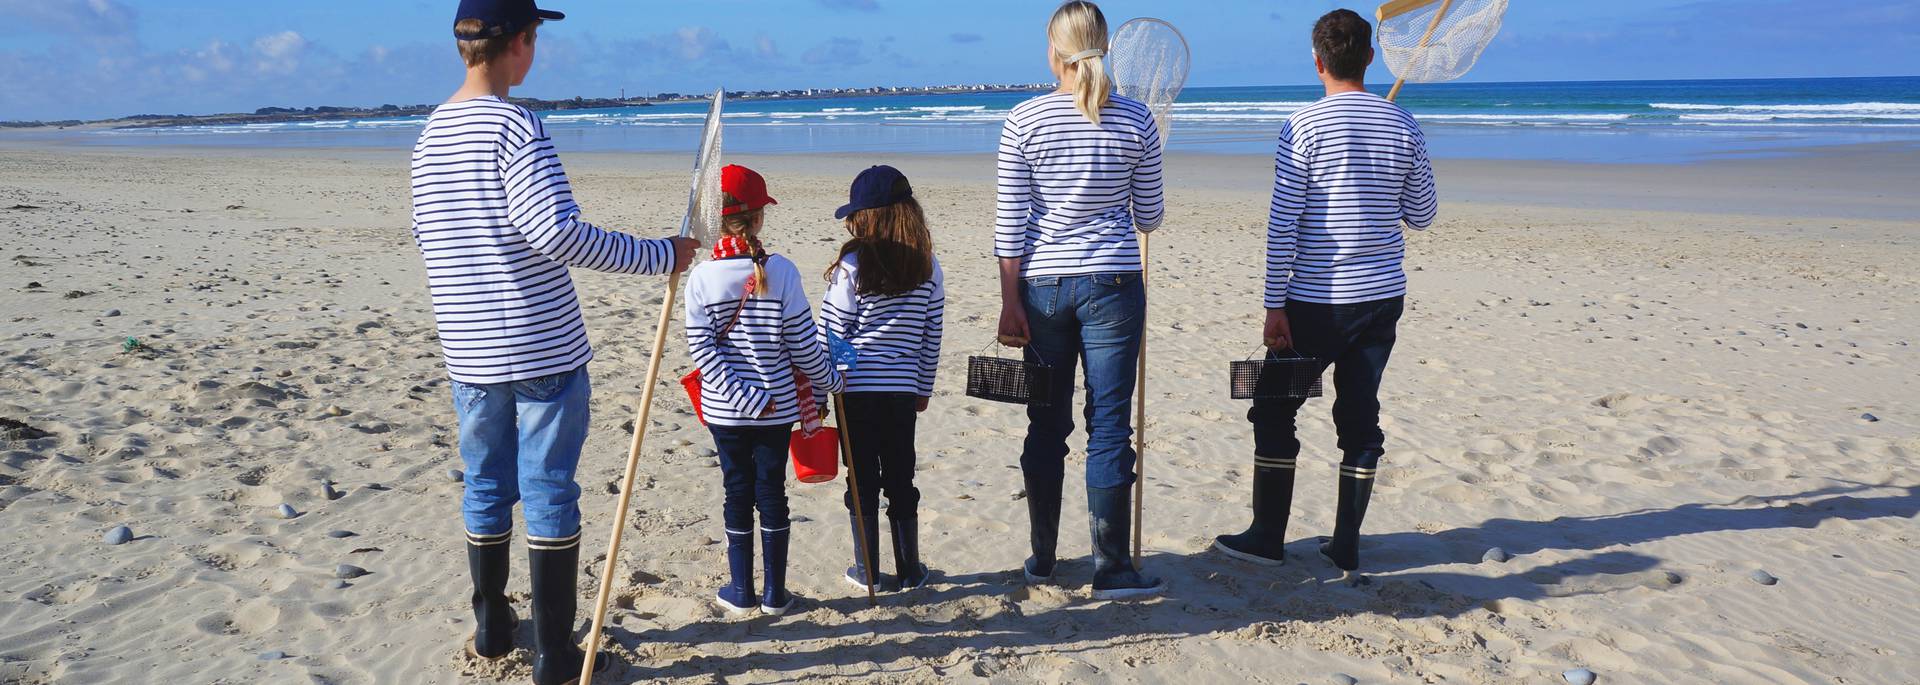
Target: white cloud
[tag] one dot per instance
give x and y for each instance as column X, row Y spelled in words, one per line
column 278, row 53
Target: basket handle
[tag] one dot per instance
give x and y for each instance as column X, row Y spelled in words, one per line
column 1293, row 352
column 994, row 347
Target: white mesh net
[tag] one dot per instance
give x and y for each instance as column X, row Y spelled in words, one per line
column 1420, row 49
column 702, row 221
column 1148, row 59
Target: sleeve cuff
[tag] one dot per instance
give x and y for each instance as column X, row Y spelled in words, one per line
column 757, row 400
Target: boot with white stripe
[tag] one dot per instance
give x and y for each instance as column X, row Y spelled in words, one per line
column 1264, row 542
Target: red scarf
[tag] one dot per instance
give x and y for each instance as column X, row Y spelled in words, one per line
column 735, row 246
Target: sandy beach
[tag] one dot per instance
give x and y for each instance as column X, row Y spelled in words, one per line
column 1654, row 386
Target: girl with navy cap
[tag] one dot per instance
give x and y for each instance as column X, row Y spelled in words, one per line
column 885, row 298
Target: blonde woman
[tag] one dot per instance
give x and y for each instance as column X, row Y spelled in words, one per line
column 1079, row 172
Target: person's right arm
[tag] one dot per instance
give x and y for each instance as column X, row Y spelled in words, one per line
column 540, row 204
column 703, row 345
column 1012, row 215
column 1290, row 182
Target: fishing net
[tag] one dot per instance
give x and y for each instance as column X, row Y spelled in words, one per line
column 1428, row 41
column 702, row 221
column 1149, row 59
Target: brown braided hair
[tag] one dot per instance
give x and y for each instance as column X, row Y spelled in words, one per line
column 744, row 225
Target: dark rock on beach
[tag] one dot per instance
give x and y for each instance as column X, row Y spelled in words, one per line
column 120, row 535
column 349, row 572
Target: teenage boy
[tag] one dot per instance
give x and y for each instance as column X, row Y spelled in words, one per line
column 1350, row 170
column 497, row 225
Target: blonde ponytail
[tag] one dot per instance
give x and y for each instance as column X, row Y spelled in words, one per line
column 1078, row 32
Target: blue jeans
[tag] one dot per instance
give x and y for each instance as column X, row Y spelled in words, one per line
column 1356, row 339
column 753, row 464
column 521, row 443
column 1095, row 320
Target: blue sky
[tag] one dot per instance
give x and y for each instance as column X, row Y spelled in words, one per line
column 99, row 58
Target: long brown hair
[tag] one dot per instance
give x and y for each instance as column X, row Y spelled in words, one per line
column 893, row 246
column 742, row 225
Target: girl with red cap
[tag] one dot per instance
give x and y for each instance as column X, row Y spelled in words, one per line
column 762, row 369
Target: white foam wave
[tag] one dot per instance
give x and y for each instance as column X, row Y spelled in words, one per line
column 1855, row 108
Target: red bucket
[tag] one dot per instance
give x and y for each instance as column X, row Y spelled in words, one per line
column 692, row 384
column 816, row 458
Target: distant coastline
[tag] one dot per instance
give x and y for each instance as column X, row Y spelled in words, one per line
column 278, row 115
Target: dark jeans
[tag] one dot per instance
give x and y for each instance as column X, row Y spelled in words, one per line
column 1356, row 339
column 880, row 427
column 753, row 462
column 1095, row 320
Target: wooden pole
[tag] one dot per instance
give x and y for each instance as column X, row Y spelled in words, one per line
column 1140, row 416
column 853, row 484
column 1424, row 38
column 626, row 484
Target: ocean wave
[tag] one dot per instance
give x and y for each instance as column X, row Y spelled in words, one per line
column 1854, row 108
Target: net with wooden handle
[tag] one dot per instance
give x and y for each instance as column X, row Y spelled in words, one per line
column 1430, row 41
column 1149, row 59
column 702, row 221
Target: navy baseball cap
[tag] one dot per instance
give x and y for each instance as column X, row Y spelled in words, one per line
column 501, row 17
column 876, row 187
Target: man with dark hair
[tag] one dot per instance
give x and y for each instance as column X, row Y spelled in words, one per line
column 1351, row 169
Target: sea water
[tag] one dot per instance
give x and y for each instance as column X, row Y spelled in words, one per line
column 1610, row 121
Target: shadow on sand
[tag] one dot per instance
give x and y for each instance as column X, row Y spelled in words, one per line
column 965, row 620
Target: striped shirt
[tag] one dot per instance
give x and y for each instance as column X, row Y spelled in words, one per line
column 896, row 336
column 496, row 223
column 1350, row 169
column 754, row 362
column 1071, row 192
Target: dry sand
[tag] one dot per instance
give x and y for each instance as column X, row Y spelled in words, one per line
column 1643, row 407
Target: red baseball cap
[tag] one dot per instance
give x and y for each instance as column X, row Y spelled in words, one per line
column 744, row 185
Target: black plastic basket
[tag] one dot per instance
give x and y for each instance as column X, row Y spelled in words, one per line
column 1015, row 381
column 1277, row 378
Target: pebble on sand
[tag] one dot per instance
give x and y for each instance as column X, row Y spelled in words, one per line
column 120, row 535
column 327, row 491
column 341, row 585
column 1580, row 676
column 275, row 655
column 349, row 572
column 287, row 511
column 455, row 475
column 1869, row 418
column 1496, row 555
column 337, row 534
column 111, row 313
column 1762, row 577
column 1343, row 679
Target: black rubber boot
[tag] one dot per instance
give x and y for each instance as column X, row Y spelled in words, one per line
column 493, row 619
column 1111, row 519
column 1356, row 489
column 738, row 596
column 906, row 553
column 775, row 600
column 1264, row 542
column 866, row 543
column 1043, row 518
column 556, row 657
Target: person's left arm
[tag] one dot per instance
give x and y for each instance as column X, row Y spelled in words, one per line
column 1419, row 200
column 1149, row 196
column 799, row 334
